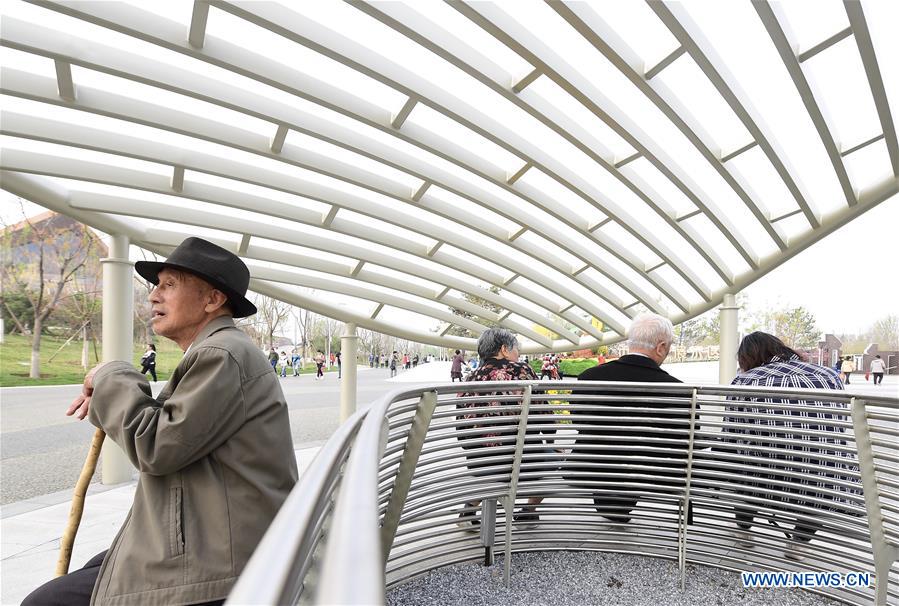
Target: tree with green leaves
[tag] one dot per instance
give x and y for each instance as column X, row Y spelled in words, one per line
column 42, row 258
column 795, row 326
column 885, row 332
column 701, row 330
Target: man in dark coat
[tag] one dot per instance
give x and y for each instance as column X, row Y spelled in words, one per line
column 635, row 443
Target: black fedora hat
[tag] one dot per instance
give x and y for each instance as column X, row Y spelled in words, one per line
column 221, row 268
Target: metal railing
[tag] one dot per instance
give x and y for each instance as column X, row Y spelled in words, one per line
column 381, row 502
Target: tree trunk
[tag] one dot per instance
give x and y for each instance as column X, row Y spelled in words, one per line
column 22, row 329
column 85, row 353
column 148, row 333
column 36, row 350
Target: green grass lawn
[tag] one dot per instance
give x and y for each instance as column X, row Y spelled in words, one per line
column 15, row 361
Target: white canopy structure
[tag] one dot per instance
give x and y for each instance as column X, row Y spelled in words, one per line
column 567, row 163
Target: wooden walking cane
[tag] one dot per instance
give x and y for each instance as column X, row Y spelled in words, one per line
column 84, row 480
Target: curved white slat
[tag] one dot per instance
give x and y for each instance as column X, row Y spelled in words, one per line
column 59, row 132
column 703, row 53
column 30, row 37
column 403, row 18
column 862, row 36
column 147, row 26
column 791, row 62
column 668, row 106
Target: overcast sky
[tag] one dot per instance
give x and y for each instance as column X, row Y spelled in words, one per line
column 847, row 280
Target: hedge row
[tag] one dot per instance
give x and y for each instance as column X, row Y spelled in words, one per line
column 568, row 366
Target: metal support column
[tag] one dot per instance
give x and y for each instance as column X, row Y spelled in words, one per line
column 348, row 345
column 118, row 328
column 488, row 529
column 684, row 510
column 403, row 480
column 508, row 501
column 885, row 553
column 728, row 340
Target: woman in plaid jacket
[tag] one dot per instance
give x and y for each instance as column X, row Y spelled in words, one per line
column 765, row 361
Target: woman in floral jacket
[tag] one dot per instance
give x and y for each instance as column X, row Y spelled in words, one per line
column 498, row 350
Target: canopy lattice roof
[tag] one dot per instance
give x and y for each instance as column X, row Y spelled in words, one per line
column 568, row 164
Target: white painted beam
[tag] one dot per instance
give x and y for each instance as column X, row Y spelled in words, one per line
column 525, row 81
column 197, row 33
column 859, row 27
column 766, row 13
column 244, row 245
column 177, row 178
column 681, row 25
column 377, row 310
column 741, row 150
column 64, row 85
column 400, row 117
column 628, row 160
column 417, row 195
column 668, row 60
column 824, row 45
column 861, row 145
column 193, row 81
column 519, row 173
column 328, row 218
column 277, row 142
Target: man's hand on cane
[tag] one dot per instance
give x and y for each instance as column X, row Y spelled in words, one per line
column 81, row 405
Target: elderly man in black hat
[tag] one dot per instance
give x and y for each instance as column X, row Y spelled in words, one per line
column 214, row 448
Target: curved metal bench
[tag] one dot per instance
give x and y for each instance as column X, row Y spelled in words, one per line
column 379, row 504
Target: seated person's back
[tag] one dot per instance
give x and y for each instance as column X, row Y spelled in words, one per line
column 632, row 438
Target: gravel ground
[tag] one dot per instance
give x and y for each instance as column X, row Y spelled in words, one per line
column 558, row 578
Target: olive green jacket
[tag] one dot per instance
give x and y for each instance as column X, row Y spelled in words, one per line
column 216, row 462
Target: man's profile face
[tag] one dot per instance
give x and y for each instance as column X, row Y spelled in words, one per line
column 178, row 303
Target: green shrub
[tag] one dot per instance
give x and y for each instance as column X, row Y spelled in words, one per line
column 568, row 366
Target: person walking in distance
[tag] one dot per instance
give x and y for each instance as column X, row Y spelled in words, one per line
column 148, row 361
column 319, row 366
column 394, row 360
column 295, row 361
column 878, row 367
column 846, row 369
column 283, row 362
column 456, row 368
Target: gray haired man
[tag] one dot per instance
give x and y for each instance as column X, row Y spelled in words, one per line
column 632, row 439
